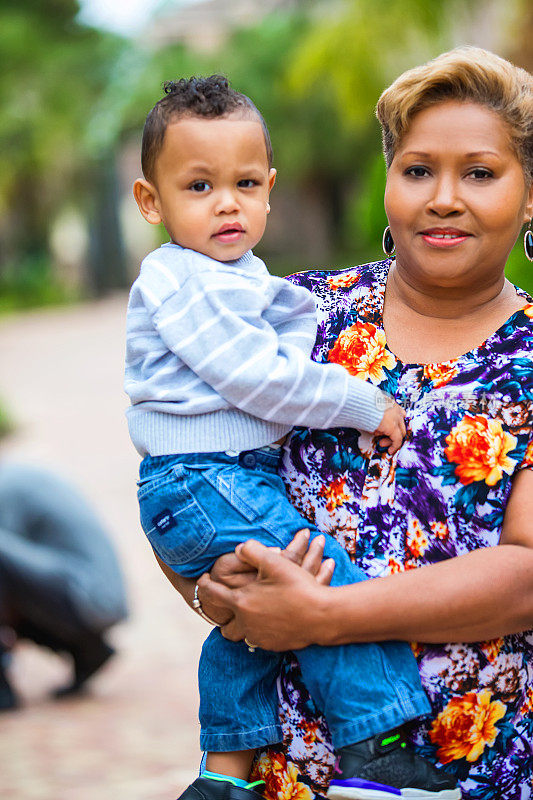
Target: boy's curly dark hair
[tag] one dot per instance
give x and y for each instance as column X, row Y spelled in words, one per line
column 196, row 97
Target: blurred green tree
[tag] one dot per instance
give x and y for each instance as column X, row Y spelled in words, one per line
column 52, row 71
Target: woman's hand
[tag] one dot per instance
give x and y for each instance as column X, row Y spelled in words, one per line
column 276, row 610
column 234, row 572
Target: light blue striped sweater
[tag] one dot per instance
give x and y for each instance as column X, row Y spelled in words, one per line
column 217, row 358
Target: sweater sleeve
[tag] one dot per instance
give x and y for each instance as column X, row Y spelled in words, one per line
column 215, row 323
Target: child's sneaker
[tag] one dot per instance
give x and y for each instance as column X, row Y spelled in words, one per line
column 386, row 768
column 209, row 789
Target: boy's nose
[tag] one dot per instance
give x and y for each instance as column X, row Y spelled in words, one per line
column 226, row 202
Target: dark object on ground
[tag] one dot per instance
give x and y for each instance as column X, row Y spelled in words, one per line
column 8, row 698
column 86, row 663
column 60, row 581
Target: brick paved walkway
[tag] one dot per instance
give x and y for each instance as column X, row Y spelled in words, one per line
column 135, row 736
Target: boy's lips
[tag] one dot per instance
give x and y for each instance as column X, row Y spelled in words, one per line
column 444, row 237
column 229, row 232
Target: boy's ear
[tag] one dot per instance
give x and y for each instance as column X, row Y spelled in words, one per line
column 147, row 199
column 271, row 179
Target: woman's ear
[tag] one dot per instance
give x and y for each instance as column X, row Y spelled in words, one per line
column 529, row 204
column 147, row 198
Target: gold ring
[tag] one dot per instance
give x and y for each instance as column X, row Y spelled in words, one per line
column 251, row 647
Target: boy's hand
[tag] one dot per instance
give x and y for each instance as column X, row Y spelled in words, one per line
column 392, row 425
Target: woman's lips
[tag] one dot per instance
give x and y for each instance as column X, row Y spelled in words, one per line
column 444, row 237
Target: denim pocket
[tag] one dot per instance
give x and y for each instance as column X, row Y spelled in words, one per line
column 257, row 495
column 176, row 525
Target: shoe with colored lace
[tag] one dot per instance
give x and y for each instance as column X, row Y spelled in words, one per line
column 385, row 767
column 209, row 789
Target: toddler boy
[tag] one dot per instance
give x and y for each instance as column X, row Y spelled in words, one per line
column 218, row 371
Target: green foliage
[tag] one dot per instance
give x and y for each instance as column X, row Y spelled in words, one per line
column 29, row 282
column 53, row 70
column 342, row 57
column 519, row 270
column 365, row 216
column 354, row 55
column 6, row 421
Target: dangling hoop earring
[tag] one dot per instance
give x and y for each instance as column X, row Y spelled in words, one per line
column 388, row 242
column 528, row 242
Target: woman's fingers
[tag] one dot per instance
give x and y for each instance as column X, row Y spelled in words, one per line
column 308, row 556
column 297, row 547
column 312, row 559
column 230, row 570
column 216, row 596
column 233, row 630
column 274, row 610
column 254, row 553
column 325, row 573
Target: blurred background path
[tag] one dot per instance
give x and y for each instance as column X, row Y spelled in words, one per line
column 134, row 737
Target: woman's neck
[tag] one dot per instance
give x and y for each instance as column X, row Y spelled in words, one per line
column 431, row 324
column 447, row 303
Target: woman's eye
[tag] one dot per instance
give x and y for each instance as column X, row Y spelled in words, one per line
column 481, row 173
column 417, row 172
column 200, row 186
column 247, row 183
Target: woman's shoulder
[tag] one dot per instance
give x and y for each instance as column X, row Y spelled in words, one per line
column 327, row 282
column 515, row 336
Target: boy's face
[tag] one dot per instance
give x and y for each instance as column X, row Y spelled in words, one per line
column 211, row 185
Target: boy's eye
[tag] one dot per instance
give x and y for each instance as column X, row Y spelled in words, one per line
column 200, row 186
column 247, row 183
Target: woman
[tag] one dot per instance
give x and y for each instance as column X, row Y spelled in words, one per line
column 446, row 524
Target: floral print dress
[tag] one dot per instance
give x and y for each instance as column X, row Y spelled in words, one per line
column 469, row 423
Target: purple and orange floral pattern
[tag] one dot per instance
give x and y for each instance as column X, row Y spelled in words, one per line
column 469, row 430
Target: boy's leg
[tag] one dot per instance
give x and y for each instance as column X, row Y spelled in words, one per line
column 235, row 764
column 370, row 688
column 190, row 524
column 238, row 697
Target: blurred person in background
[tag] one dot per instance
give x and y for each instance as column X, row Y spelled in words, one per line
column 60, row 581
column 444, row 527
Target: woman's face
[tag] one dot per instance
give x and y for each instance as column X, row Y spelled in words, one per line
column 456, row 196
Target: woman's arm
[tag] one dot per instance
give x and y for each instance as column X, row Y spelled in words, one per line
column 482, row 595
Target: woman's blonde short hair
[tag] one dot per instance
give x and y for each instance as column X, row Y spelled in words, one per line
column 467, row 74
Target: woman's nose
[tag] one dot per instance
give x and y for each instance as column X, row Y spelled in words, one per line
column 445, row 198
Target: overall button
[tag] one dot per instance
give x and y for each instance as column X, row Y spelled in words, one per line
column 248, row 460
